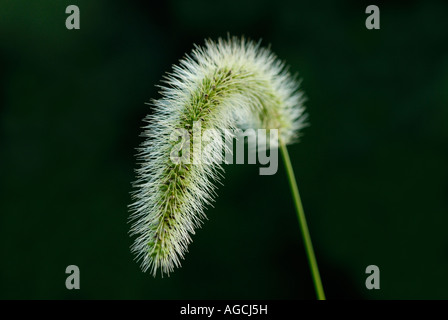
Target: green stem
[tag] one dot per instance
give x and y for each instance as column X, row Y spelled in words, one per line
column 303, row 225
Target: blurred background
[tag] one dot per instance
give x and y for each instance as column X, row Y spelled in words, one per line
column 372, row 167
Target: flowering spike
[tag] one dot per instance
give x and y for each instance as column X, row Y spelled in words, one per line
column 226, row 84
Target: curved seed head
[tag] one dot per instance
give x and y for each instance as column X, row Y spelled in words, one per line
column 222, row 85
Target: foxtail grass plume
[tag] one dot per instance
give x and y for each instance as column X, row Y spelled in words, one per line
column 227, row 84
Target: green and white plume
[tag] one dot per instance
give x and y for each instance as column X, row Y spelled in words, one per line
column 226, row 84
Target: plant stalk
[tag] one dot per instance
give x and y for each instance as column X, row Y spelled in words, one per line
column 302, row 223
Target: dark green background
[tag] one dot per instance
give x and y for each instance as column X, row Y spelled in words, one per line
column 372, row 167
